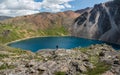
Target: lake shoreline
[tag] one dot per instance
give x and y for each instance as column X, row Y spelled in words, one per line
column 6, row 44
column 89, row 41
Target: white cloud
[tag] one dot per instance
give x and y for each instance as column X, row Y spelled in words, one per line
column 25, row 7
column 17, row 12
column 56, row 5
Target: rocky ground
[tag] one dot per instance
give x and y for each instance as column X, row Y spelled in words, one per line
column 94, row 60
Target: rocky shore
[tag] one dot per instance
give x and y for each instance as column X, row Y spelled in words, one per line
column 94, row 60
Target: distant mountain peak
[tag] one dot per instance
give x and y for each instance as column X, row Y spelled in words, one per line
column 4, row 17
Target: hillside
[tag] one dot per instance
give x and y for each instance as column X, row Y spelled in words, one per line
column 41, row 24
column 101, row 22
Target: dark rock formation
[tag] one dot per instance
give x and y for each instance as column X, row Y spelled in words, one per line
column 101, row 22
column 82, row 10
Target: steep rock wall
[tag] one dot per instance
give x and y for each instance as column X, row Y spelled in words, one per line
column 101, row 22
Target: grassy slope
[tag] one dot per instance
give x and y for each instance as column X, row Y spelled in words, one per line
column 19, row 32
column 13, row 54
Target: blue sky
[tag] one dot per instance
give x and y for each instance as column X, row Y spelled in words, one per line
column 78, row 4
column 27, row 7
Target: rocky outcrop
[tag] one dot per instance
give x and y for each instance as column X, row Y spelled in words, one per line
column 77, row 61
column 101, row 22
column 83, row 10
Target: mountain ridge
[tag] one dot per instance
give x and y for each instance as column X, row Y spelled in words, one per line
column 101, row 23
column 41, row 24
column 4, row 17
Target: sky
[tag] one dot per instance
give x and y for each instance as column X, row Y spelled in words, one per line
column 26, row 7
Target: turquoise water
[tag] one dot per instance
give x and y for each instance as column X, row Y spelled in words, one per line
column 67, row 42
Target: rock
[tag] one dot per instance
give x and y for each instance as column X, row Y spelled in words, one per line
column 85, row 60
column 45, row 53
column 82, row 68
column 79, row 67
column 101, row 54
column 41, row 68
column 88, row 65
column 30, row 64
column 116, row 61
column 108, row 73
column 1, row 63
column 32, row 71
column 64, row 69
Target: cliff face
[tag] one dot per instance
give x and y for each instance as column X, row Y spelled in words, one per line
column 101, row 22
